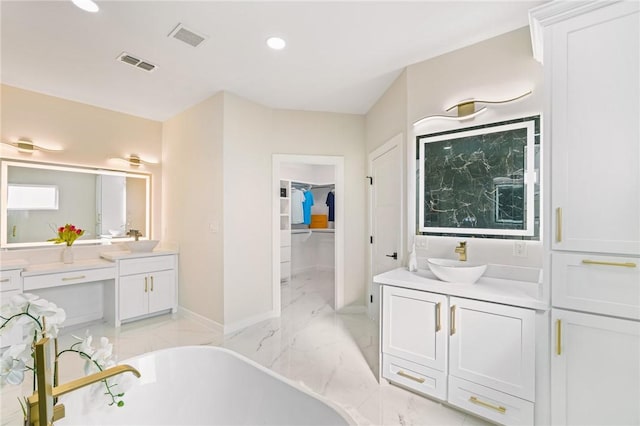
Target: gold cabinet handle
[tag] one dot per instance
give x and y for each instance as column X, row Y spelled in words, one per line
column 4, row 280
column 498, row 408
column 151, row 282
column 602, row 262
column 13, row 231
column 145, row 284
column 559, row 224
column 79, row 277
column 438, row 325
column 410, row 377
column 559, row 337
column 453, row 320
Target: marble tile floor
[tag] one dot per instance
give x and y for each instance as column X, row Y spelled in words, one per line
column 332, row 354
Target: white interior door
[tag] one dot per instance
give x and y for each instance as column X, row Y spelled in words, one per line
column 385, row 172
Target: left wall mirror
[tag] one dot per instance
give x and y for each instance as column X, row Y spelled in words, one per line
column 37, row 198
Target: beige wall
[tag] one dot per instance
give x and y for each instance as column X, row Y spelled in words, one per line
column 247, row 209
column 318, row 133
column 89, row 135
column 192, row 206
column 497, row 68
column 223, row 148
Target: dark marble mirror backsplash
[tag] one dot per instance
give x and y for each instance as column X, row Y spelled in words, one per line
column 475, row 180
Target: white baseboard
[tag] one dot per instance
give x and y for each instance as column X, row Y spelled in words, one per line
column 201, row 319
column 353, row 309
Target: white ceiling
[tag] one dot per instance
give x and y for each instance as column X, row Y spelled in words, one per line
column 341, row 56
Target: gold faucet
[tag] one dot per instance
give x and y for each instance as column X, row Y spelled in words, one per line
column 134, row 233
column 461, row 249
column 41, row 403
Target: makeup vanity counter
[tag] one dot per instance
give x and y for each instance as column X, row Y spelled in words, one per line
column 473, row 346
column 113, row 285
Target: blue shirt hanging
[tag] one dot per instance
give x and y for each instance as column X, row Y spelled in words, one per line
column 306, row 207
column 331, row 203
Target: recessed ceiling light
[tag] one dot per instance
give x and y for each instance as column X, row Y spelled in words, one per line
column 87, row 5
column 276, row 43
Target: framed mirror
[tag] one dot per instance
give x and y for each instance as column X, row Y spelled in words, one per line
column 481, row 181
column 37, row 198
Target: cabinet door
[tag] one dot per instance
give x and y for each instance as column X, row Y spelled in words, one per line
column 493, row 345
column 595, row 370
column 133, row 299
column 595, row 150
column 414, row 325
column 162, row 290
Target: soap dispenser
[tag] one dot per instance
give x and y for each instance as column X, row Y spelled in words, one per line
column 413, row 260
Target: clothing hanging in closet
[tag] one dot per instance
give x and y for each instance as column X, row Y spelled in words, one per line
column 297, row 199
column 306, row 207
column 331, row 202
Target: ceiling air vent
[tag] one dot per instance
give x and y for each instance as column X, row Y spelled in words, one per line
column 136, row 62
column 187, row 36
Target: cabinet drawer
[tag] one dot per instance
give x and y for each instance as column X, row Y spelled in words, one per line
column 10, row 280
column 285, row 254
column 601, row 284
column 492, row 404
column 68, row 278
column 144, row 265
column 414, row 376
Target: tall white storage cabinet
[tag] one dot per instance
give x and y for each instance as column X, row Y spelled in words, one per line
column 285, row 230
column 591, row 54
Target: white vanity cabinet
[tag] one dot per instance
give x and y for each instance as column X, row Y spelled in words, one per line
column 479, row 356
column 414, row 339
column 595, row 370
column 492, row 360
column 146, row 285
column 10, row 285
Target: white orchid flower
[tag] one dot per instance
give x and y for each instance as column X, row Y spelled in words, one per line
column 13, row 364
column 54, row 320
column 103, row 354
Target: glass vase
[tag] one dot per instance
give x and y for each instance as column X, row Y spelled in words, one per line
column 67, row 255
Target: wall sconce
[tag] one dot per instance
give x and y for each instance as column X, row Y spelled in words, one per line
column 28, row 147
column 466, row 109
column 135, row 161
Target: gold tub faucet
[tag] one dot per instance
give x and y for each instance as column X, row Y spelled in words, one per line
column 461, row 249
column 41, row 403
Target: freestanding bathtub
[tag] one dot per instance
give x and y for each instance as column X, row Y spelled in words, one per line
column 201, row 385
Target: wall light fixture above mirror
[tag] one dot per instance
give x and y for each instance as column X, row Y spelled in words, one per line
column 105, row 203
column 27, row 146
column 466, row 109
column 135, row 160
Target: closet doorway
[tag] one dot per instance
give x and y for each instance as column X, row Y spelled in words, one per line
column 307, row 240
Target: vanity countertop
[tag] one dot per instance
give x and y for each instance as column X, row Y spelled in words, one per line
column 126, row 254
column 56, row 267
column 7, row 265
column 497, row 290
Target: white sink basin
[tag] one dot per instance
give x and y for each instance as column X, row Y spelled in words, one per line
column 455, row 271
column 141, row 246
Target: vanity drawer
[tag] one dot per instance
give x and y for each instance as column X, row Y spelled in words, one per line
column 416, row 377
column 490, row 403
column 10, row 280
column 602, row 284
column 36, row 282
column 143, row 265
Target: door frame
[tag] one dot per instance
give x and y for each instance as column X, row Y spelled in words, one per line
column 392, row 143
column 326, row 160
